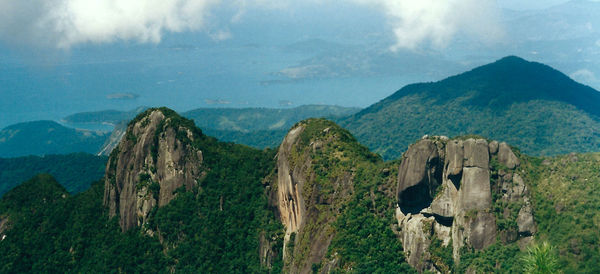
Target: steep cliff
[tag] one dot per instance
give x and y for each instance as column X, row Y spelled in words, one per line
column 463, row 193
column 152, row 162
column 335, row 199
column 306, row 196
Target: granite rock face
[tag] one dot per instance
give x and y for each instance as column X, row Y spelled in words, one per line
column 289, row 185
column 445, row 190
column 308, row 204
column 419, row 176
column 152, row 162
column 507, row 157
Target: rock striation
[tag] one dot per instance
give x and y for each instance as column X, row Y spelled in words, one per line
column 289, row 185
column 152, row 162
column 447, row 190
column 307, row 205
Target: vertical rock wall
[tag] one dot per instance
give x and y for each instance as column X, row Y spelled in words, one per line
column 449, row 181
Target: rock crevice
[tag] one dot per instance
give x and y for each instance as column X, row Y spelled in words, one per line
column 450, row 180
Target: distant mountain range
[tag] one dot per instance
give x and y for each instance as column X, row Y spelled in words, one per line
column 258, row 127
column 530, row 105
column 47, row 137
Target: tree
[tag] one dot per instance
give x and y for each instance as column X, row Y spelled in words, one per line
column 541, row 258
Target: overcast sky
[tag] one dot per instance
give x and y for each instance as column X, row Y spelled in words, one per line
column 529, row 4
column 65, row 23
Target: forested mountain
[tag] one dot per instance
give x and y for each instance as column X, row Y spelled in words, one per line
column 528, row 104
column 175, row 199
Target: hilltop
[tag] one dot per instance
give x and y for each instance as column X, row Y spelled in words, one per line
column 528, row 104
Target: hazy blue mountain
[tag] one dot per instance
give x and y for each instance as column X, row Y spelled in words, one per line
column 108, row 117
column 531, row 105
column 256, row 127
column 251, row 119
column 74, row 171
column 47, row 137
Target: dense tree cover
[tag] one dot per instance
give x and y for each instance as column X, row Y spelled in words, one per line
column 47, row 137
column 566, row 195
column 51, row 231
column 257, row 139
column 364, row 239
column 74, row 171
column 215, row 228
column 224, row 224
column 526, row 104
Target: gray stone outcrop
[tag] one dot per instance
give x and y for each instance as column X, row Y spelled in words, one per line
column 456, row 203
column 148, row 166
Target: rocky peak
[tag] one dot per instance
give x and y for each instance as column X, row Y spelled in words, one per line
column 154, row 160
column 312, row 184
column 446, row 191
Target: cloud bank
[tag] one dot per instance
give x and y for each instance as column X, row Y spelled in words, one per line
column 416, row 22
column 68, row 22
column 64, row 23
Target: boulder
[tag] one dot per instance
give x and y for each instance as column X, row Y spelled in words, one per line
column 416, row 239
column 525, row 221
column 459, row 202
column 443, row 204
column 419, row 175
column 475, row 191
column 493, row 147
column 507, row 157
column 454, row 158
column 476, row 153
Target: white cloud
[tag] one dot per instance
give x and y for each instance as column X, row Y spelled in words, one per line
column 585, row 76
column 437, row 21
column 68, row 22
column 64, row 23
column 221, row 35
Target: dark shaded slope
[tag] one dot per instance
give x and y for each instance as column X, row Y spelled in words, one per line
column 74, row 171
column 47, row 137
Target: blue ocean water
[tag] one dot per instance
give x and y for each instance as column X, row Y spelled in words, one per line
column 182, row 77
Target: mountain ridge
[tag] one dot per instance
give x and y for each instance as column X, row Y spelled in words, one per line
column 528, row 104
column 322, row 203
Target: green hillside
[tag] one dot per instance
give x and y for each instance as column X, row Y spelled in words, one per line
column 527, row 104
column 566, row 192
